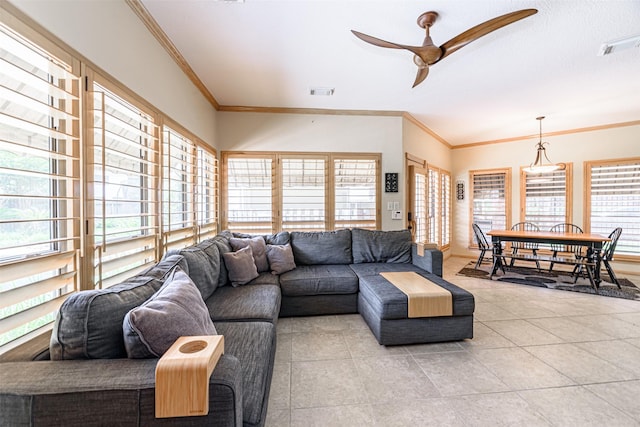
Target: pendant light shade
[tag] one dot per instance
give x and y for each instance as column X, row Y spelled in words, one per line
column 542, row 164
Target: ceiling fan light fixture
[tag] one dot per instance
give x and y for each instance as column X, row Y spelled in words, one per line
column 542, row 164
column 419, row 62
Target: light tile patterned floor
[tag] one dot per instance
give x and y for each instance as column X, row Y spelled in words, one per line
column 539, row 357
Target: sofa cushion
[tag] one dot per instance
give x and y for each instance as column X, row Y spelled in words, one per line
column 280, row 238
column 223, row 247
column 381, row 246
column 375, row 268
column 254, row 344
column 202, row 266
column 240, row 266
column 266, row 278
column 89, row 323
column 321, row 247
column 319, row 280
column 245, row 303
column 280, row 258
column 165, row 267
column 176, row 310
column 258, row 249
column 389, row 302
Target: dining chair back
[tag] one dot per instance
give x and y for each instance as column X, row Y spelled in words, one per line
column 481, row 240
column 532, row 246
column 575, row 250
column 607, row 253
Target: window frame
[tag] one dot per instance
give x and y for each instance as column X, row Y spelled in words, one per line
column 435, row 214
column 588, row 190
column 568, row 196
column 507, row 194
column 276, row 159
column 43, row 278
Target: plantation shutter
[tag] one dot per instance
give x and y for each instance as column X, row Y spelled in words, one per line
column 39, row 183
column 434, row 206
column 124, row 182
column 545, row 198
column 419, row 202
column 178, row 190
column 490, row 200
column 250, row 195
column 355, row 189
column 304, row 194
column 614, row 201
column 445, row 209
column 207, row 195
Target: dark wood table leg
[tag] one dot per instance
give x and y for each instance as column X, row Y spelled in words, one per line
column 497, row 258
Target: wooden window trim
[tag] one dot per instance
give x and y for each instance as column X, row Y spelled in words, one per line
column 508, row 191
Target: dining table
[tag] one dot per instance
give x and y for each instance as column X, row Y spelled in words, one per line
column 591, row 241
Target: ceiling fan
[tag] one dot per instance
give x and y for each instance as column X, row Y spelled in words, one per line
column 429, row 54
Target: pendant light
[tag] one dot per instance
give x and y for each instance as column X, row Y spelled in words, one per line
column 542, row 164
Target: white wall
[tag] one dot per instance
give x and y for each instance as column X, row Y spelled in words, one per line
column 614, row 143
column 109, row 34
column 245, row 131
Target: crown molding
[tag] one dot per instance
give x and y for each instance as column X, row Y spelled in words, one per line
column 547, row 134
column 172, row 50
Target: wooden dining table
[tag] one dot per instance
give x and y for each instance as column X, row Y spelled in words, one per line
column 593, row 243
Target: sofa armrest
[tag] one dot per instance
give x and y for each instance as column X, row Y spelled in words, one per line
column 430, row 261
column 98, row 392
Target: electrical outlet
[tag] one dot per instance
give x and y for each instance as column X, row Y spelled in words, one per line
column 396, row 215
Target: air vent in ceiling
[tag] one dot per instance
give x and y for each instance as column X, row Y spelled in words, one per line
column 620, row 44
column 322, row 91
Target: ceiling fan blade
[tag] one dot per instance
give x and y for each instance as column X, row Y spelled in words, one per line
column 483, row 29
column 422, row 74
column 382, row 43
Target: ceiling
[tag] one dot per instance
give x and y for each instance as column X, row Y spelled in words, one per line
column 268, row 53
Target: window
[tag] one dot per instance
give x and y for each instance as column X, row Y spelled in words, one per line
column 250, row 189
column 123, row 193
column 82, row 171
column 178, row 190
column 445, row 209
column 430, row 204
column 490, row 200
column 613, row 200
column 419, row 208
column 266, row 193
column 39, row 183
column 545, row 199
column 304, row 182
column 356, row 192
column 207, row 194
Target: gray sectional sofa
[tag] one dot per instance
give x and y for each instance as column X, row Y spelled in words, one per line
column 85, row 377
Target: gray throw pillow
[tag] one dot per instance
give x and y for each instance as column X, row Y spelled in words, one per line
column 176, row 310
column 241, row 267
column 280, row 258
column 258, row 248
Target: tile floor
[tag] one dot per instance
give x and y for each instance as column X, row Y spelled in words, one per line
column 539, row 358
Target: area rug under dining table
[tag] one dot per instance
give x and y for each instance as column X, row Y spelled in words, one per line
column 555, row 279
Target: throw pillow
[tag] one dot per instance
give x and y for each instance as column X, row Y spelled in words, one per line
column 258, row 248
column 241, row 267
column 176, row 310
column 280, row 258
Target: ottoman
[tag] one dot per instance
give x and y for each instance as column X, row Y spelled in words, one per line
column 384, row 308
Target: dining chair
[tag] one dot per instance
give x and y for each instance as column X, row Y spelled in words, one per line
column 483, row 244
column 575, row 250
column 607, row 254
column 533, row 247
